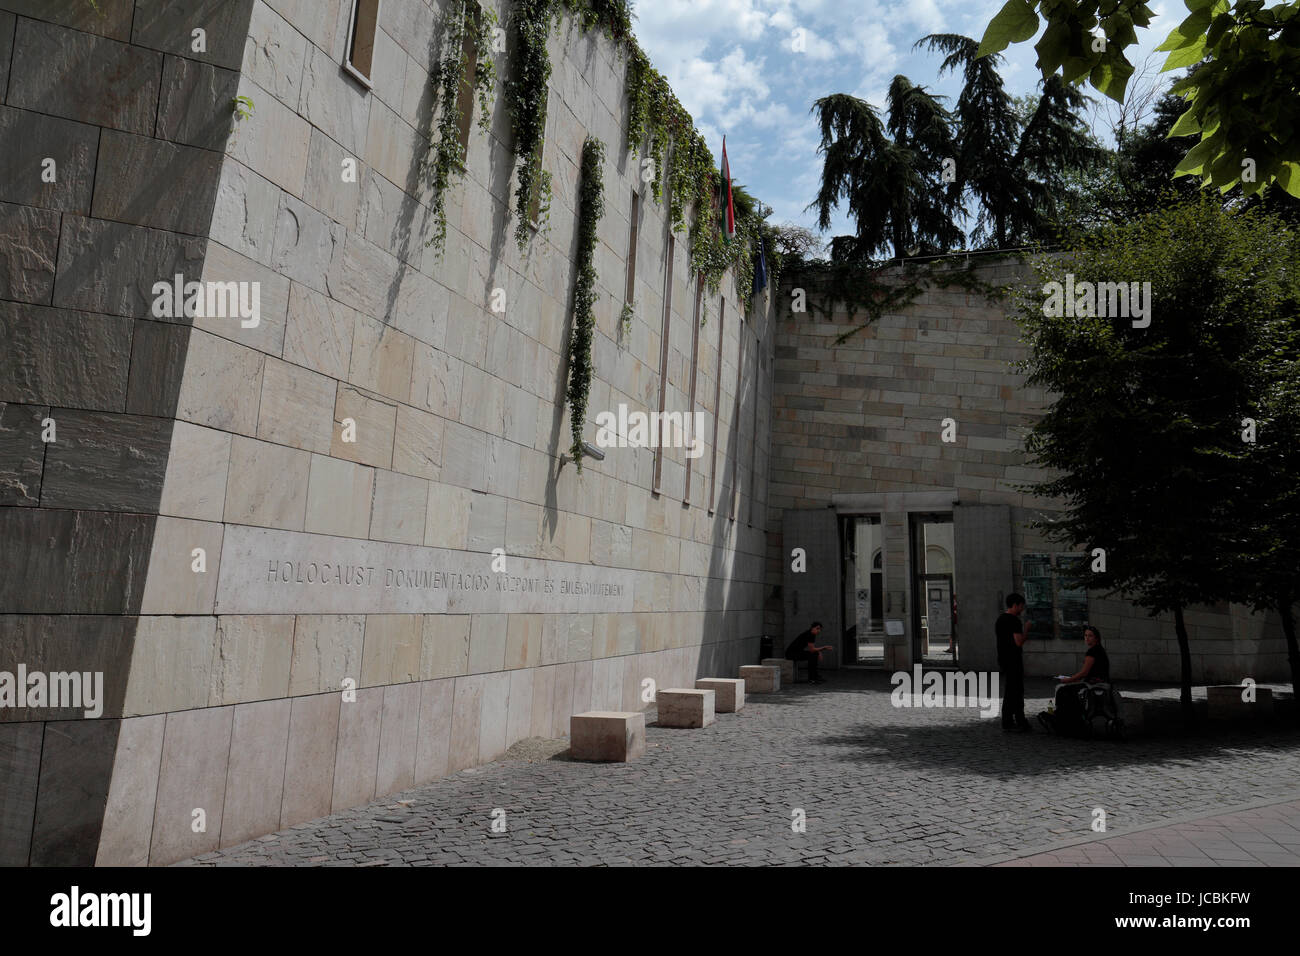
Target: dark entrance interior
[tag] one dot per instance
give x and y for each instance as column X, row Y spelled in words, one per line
column 933, row 589
column 863, row 574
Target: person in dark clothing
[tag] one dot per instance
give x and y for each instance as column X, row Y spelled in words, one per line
column 1096, row 670
column 804, row 648
column 1010, row 641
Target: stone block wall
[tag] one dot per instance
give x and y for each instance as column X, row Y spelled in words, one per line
column 379, row 418
column 112, row 127
column 865, row 418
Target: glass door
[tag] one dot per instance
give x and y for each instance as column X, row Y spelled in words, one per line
column 864, row 584
column 934, row 590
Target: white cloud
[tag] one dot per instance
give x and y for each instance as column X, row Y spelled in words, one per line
column 706, row 87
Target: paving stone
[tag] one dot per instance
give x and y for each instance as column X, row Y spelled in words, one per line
column 864, row 772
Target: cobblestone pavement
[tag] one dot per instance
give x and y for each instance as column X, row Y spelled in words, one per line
column 878, row 785
column 1259, row 836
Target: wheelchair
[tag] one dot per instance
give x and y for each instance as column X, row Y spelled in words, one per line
column 1087, row 707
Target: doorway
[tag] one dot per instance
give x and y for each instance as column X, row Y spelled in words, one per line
column 934, row 589
column 864, row 582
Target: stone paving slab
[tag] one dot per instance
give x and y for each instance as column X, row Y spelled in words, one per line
column 1252, row 835
column 876, row 785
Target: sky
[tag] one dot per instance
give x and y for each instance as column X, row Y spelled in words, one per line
column 734, row 66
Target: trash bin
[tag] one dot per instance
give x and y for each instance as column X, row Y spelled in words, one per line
column 765, row 647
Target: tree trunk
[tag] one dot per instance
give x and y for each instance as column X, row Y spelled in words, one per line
column 1185, row 661
column 1284, row 608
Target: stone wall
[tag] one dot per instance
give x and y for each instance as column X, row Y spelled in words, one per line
column 111, row 136
column 280, row 683
column 864, row 419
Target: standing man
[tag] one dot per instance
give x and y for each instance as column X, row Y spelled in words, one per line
column 1011, row 639
column 804, row 648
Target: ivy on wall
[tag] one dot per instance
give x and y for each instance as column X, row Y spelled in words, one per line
column 591, row 206
column 447, row 156
column 681, row 169
column 886, row 289
column 526, row 102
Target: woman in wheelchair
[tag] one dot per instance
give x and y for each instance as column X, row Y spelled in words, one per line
column 1074, row 707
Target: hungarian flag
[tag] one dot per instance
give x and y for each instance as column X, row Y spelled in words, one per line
column 728, row 208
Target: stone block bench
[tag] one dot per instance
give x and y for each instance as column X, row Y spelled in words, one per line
column 729, row 693
column 760, row 679
column 685, row 707
column 1225, row 702
column 1131, row 711
column 787, row 667
column 607, row 736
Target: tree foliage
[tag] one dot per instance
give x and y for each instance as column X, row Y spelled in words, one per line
column 1143, row 438
column 1243, row 101
column 889, row 174
column 1017, row 167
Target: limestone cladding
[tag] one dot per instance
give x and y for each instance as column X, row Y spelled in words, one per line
column 386, row 406
column 865, row 418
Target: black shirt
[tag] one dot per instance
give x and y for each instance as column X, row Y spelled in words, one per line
column 800, row 643
column 1100, row 672
column 1009, row 652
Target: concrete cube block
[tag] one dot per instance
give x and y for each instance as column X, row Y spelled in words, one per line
column 685, row 707
column 787, row 667
column 1225, row 702
column 607, row 736
column 729, row 693
column 1132, row 711
column 760, row 679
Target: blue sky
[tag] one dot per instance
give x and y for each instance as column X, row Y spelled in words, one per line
column 733, row 66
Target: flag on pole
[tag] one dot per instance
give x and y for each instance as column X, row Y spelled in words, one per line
column 728, row 207
column 760, row 270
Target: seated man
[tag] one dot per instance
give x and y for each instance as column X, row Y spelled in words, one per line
column 1096, row 670
column 803, row 648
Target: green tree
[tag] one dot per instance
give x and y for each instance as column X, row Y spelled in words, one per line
column 1137, row 177
column 1143, row 436
column 1269, row 569
column 1243, row 101
column 1017, row 158
column 890, row 175
column 987, row 132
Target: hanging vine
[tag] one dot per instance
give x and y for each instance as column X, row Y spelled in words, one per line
column 447, row 156
column 526, row 103
column 681, row 169
column 591, row 206
column 881, row 289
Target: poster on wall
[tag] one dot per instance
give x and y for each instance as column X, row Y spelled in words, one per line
column 1036, row 575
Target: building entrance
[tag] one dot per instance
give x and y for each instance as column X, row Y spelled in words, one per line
column 864, row 587
column 933, row 591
